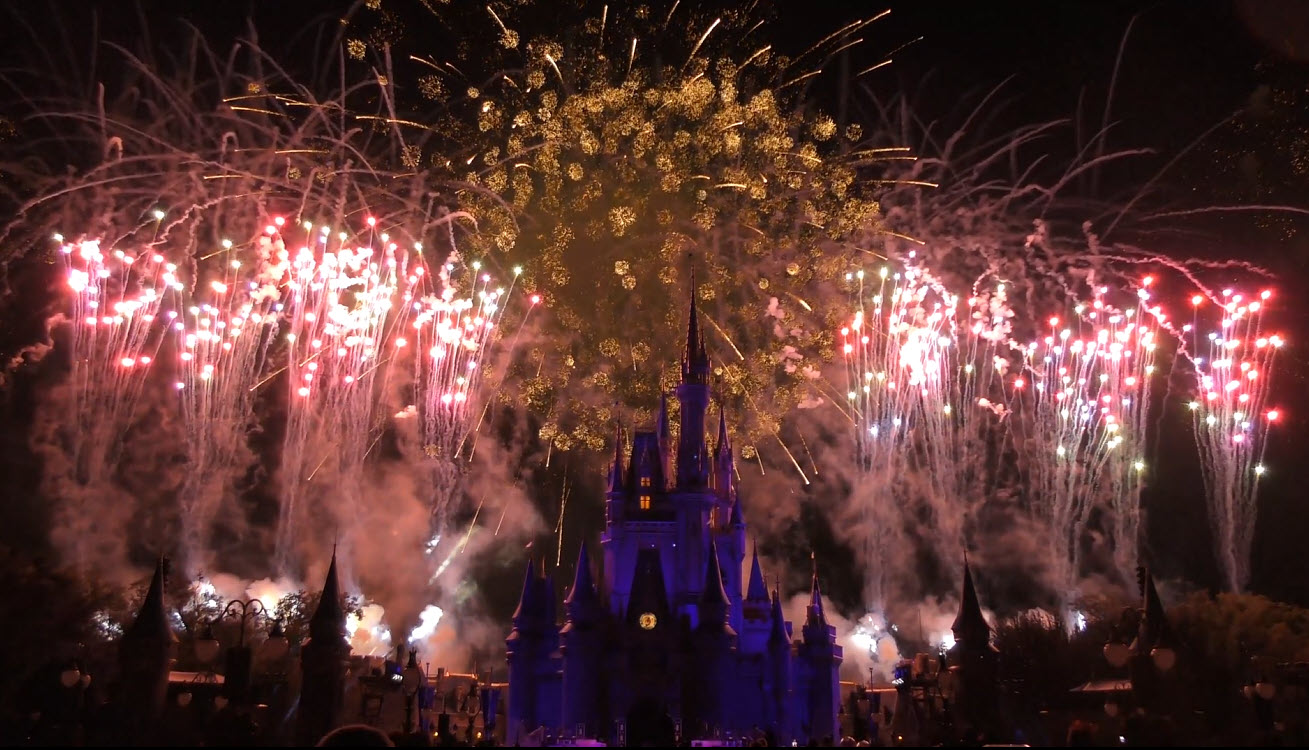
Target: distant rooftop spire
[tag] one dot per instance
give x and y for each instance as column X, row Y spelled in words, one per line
column 328, row 620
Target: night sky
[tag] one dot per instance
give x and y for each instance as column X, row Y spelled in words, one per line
column 1187, row 66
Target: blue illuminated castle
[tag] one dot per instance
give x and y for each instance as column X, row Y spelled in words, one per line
column 670, row 643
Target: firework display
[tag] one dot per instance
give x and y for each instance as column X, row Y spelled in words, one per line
column 1232, row 362
column 298, row 302
column 599, row 154
column 333, row 317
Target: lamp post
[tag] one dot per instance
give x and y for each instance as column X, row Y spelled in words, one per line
column 411, row 680
column 236, row 679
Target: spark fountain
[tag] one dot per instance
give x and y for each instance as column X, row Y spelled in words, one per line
column 1084, row 396
column 1233, row 363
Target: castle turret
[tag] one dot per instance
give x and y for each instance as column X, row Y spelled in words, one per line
column 714, row 603
column 723, row 463
column 970, row 627
column 974, row 665
column 324, row 661
column 581, row 642
column 693, row 394
column 733, row 557
column 714, row 650
column 779, row 669
column 821, row 659
column 756, row 611
column 528, row 648
column 145, row 657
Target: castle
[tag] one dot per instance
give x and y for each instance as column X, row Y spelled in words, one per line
column 670, row 644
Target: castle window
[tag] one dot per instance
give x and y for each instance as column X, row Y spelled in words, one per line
column 645, row 502
column 645, row 481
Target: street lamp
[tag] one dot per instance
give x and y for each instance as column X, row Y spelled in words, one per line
column 237, row 676
column 411, row 680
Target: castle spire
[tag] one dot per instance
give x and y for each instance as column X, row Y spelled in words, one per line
column 714, row 603
column 814, row 612
column 616, row 479
column 527, row 601
column 777, row 633
column 695, row 362
column 328, row 620
column 1154, row 630
column 584, row 587
column 756, row 591
column 152, row 620
column 970, row 626
column 583, row 593
column 723, row 448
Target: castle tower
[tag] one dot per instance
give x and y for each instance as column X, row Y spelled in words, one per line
column 694, row 499
column 974, row 664
column 582, row 644
column 714, row 649
column 324, row 660
column 779, row 670
column 145, row 656
column 821, row 658
column 527, row 649
column 756, row 616
column 693, row 395
column 731, row 535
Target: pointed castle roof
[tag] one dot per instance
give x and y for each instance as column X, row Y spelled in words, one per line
column 695, row 362
column 151, row 621
column 714, row 604
column 527, row 601
column 814, row 612
column 1154, row 630
column 756, row 591
column 328, row 620
column 648, row 592
column 777, row 634
column 583, row 593
column 616, row 475
column 723, row 448
column 970, row 625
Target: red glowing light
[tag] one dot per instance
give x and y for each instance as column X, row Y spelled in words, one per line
column 1273, row 415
